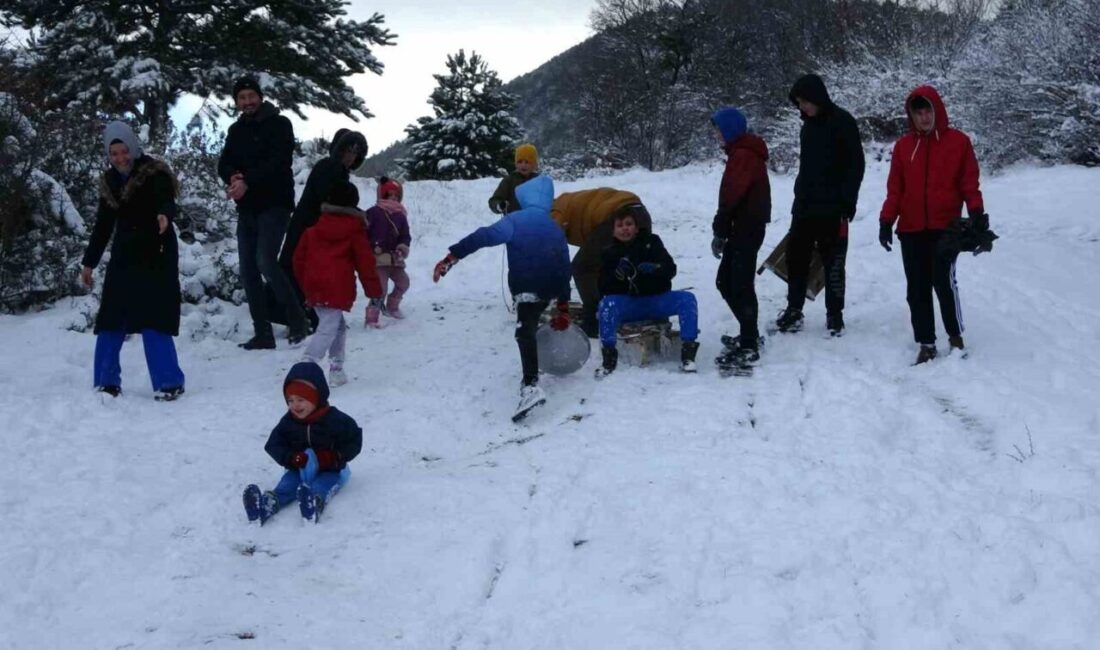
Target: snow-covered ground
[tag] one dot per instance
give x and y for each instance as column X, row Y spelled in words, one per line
column 840, row 498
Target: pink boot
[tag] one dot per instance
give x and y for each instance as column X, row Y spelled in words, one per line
column 393, row 306
column 374, row 313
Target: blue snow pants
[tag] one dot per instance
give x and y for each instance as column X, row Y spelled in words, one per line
column 160, row 356
column 616, row 309
column 326, row 484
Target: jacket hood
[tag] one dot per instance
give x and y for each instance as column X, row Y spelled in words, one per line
column 338, row 223
column 749, row 142
column 121, row 131
column 811, row 88
column 731, row 122
column 933, row 97
column 536, row 193
column 345, row 138
column 311, row 372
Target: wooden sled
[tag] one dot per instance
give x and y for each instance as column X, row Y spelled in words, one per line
column 640, row 342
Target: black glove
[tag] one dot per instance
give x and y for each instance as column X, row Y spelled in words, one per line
column 980, row 220
column 498, row 205
column 885, row 235
column 717, row 245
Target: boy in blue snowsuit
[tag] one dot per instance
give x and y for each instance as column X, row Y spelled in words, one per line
column 538, row 272
column 636, row 283
column 314, row 441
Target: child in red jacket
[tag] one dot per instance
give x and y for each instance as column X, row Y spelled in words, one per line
column 326, row 260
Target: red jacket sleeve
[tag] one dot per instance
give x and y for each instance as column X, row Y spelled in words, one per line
column 736, row 181
column 366, row 265
column 969, row 182
column 895, row 187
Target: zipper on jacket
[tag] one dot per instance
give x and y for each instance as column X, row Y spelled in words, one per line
column 927, row 162
column 309, row 435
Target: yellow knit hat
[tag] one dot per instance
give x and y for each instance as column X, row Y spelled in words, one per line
column 527, row 152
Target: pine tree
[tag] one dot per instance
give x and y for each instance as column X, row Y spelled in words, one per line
column 472, row 133
column 139, row 57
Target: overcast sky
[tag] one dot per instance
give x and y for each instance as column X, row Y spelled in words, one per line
column 513, row 36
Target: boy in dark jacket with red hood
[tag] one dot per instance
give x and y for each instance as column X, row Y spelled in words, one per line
column 933, row 173
column 326, row 260
column 314, row 441
column 744, row 211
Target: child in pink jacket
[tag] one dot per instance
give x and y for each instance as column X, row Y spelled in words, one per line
column 389, row 237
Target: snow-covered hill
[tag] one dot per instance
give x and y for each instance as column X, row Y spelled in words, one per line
column 838, row 499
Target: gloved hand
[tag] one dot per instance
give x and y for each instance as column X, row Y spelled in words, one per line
column 442, row 266
column 646, row 268
column 560, row 321
column 298, row 460
column 980, row 220
column 328, row 460
column 498, row 206
column 885, row 235
column 402, row 251
column 717, row 245
column 309, row 472
column 624, row 270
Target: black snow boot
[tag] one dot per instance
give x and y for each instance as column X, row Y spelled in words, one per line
column 687, row 355
column 835, row 324
column 610, row 361
column 259, row 342
column 926, row 354
column 790, row 320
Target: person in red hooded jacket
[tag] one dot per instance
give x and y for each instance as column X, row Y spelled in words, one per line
column 744, row 211
column 326, row 260
column 933, row 173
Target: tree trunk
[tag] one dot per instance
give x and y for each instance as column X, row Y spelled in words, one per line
column 155, row 114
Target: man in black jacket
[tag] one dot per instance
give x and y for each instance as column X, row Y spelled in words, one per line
column 255, row 164
column 636, row 284
column 826, row 191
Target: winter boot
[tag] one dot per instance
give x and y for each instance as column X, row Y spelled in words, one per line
column 310, row 505
column 113, row 391
column 687, row 355
column 259, row 505
column 835, row 324
column 259, row 342
column 926, row 354
column 374, row 313
column 336, row 376
column 739, row 360
column 393, row 306
column 169, row 394
column 956, row 343
column 610, row 361
column 734, row 342
column 297, row 335
column 790, row 320
column 530, row 396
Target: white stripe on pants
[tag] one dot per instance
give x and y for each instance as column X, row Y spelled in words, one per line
column 331, row 335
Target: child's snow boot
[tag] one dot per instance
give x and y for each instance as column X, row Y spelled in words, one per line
column 393, row 306
column 610, row 361
column 310, row 505
column 687, row 355
column 259, row 505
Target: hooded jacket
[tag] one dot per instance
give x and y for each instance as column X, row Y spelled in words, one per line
column 261, row 146
column 335, row 430
column 931, row 174
column 538, row 256
column 745, row 196
column 325, row 174
column 579, row 213
column 330, row 254
column 831, row 164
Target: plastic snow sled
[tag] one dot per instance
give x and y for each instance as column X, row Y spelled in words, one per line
column 562, row 353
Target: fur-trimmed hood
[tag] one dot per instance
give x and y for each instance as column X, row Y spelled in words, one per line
column 144, row 168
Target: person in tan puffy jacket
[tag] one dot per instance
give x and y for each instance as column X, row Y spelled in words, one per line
column 588, row 219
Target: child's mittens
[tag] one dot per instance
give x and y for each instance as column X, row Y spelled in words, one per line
column 328, row 460
column 297, row 460
column 309, row 471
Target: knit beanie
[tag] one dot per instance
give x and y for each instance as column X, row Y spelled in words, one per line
column 528, row 153
column 344, row 195
column 247, row 83
column 389, row 186
column 304, row 389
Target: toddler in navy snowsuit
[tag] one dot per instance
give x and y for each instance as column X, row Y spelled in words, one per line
column 314, row 441
column 636, row 283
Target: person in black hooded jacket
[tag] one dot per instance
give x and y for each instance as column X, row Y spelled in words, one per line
column 826, row 192
column 256, row 166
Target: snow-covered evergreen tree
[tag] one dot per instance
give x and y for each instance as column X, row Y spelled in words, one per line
column 140, row 57
column 472, row 133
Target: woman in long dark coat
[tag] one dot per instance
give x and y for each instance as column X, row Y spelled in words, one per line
column 141, row 291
